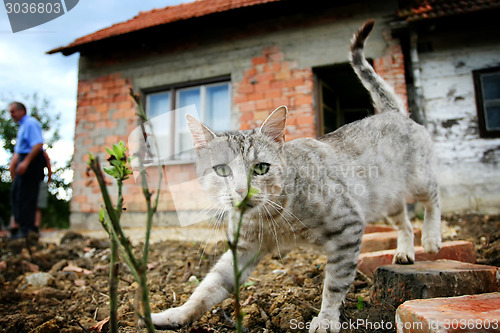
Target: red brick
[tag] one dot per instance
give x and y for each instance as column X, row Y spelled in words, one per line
column 272, row 67
column 264, row 104
column 301, row 100
column 274, row 93
column 371, row 228
column 255, row 96
column 245, row 126
column 471, row 313
column 240, row 99
column 281, row 101
column 247, row 107
column 294, row 82
column 305, row 119
column 282, row 75
column 262, row 86
column 245, row 88
column 454, row 250
column 380, row 241
column 265, row 77
column 250, row 72
column 278, row 84
column 259, row 60
column 246, row 117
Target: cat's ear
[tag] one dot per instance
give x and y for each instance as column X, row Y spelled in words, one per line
column 201, row 134
column 274, row 126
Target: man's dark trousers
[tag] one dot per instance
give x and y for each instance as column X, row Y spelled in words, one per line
column 24, row 194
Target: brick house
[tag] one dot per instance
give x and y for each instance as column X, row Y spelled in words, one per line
column 237, row 60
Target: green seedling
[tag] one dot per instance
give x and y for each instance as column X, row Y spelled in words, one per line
column 252, row 192
column 360, row 305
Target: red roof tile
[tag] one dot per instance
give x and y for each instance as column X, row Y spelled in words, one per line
column 416, row 10
column 162, row 16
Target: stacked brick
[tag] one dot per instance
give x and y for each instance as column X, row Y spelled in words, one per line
column 273, row 81
column 105, row 115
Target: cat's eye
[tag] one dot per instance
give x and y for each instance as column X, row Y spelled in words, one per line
column 261, row 169
column 223, row 170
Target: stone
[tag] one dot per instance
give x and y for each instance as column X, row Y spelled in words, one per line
column 395, row 284
column 471, row 313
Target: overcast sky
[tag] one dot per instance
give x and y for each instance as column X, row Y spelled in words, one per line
column 25, row 68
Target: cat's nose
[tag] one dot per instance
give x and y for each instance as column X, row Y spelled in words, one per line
column 241, row 192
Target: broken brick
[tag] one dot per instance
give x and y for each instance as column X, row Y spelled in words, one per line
column 453, row 250
column 471, row 313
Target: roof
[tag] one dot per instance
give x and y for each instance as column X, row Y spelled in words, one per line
column 417, row 10
column 157, row 17
column 410, row 10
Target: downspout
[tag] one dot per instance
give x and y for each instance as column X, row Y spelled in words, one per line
column 419, row 112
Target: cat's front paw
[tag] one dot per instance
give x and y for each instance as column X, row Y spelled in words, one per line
column 171, row 319
column 403, row 258
column 324, row 324
column 431, row 244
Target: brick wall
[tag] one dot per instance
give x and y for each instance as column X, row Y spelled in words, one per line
column 105, row 115
column 273, row 81
column 391, row 67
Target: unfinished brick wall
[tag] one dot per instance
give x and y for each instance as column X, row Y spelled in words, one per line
column 105, row 115
column 273, row 81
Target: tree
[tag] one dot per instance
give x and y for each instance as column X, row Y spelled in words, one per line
column 57, row 214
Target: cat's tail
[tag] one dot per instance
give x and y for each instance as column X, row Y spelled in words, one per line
column 383, row 95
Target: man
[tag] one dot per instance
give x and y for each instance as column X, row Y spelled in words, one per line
column 26, row 167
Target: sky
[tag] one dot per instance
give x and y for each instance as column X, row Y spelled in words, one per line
column 25, row 68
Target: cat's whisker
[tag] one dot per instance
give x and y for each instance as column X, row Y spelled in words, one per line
column 213, row 225
column 289, row 213
column 260, row 232
column 284, row 218
column 274, row 231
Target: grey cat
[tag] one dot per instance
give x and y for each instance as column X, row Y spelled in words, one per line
column 316, row 191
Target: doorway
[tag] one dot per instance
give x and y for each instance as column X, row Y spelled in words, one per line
column 342, row 98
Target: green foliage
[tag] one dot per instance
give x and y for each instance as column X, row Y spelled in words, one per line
column 360, row 305
column 57, row 213
column 120, row 166
column 39, row 108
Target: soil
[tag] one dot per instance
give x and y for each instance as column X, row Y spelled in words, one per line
column 282, row 295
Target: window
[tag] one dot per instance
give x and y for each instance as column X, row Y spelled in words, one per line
column 213, row 106
column 487, row 86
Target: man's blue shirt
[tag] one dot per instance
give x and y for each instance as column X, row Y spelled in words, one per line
column 28, row 135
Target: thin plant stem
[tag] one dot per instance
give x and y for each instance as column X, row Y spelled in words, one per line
column 114, row 265
column 113, row 285
column 233, row 246
column 113, row 216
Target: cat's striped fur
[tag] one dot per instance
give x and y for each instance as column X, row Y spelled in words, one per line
column 320, row 192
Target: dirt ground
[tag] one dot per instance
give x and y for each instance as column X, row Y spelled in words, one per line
column 281, row 295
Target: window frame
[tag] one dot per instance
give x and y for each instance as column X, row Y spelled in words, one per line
column 174, row 89
column 481, row 116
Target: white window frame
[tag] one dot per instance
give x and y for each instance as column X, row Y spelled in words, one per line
column 174, row 92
